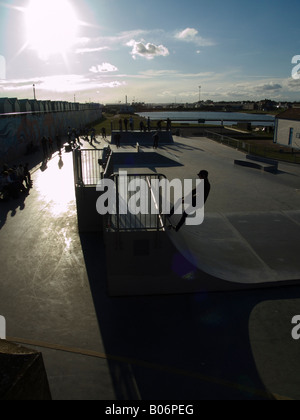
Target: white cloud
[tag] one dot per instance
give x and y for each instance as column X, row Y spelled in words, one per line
column 192, row 35
column 96, row 44
column 188, row 34
column 63, row 84
column 103, row 68
column 90, row 50
column 159, row 73
column 148, row 51
column 175, row 74
column 271, row 86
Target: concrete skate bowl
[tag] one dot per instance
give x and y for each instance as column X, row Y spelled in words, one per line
column 241, row 251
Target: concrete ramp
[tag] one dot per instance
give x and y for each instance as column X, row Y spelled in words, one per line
column 227, row 252
column 260, row 163
column 144, row 139
column 252, row 249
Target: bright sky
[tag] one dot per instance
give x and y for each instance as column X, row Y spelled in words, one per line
column 155, row 51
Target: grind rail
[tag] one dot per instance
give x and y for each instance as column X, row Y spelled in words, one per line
column 90, row 165
column 150, row 218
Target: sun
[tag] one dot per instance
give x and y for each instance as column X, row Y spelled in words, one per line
column 51, row 27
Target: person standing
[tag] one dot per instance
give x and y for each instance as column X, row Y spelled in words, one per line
column 155, row 140
column 45, row 148
column 27, row 176
column 169, row 125
column 131, row 124
column 50, row 142
column 58, row 144
column 118, row 140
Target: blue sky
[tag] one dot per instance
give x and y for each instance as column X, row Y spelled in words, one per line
column 155, row 51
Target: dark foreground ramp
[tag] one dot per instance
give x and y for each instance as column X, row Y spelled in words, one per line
column 228, row 252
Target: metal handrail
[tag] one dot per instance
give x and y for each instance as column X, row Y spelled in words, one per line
column 140, row 222
column 87, row 166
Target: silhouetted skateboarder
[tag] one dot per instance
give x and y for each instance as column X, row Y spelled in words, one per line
column 202, row 175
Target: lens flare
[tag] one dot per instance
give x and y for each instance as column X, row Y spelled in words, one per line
column 51, row 27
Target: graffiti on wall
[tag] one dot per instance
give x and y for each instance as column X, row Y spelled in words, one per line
column 18, row 131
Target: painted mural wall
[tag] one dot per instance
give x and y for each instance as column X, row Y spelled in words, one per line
column 19, row 130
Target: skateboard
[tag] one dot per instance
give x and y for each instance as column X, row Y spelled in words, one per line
column 170, row 226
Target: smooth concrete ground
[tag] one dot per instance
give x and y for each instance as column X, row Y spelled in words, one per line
column 234, row 345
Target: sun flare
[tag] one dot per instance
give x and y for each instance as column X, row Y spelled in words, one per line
column 51, row 26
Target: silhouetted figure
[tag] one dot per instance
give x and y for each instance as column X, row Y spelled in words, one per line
column 126, row 124
column 27, row 176
column 69, row 135
column 93, row 135
column 77, row 135
column 50, row 143
column 155, row 140
column 169, row 125
column 202, row 175
column 58, row 144
column 131, row 124
column 12, row 185
column 118, row 140
column 45, row 147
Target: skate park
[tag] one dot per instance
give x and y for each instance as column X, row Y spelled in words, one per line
column 248, row 238
column 194, row 345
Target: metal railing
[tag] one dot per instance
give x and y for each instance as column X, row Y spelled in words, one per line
column 89, row 165
column 125, row 220
column 281, row 154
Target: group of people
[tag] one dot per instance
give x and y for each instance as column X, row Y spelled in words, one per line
column 14, row 181
column 89, row 135
column 48, row 146
column 144, row 126
column 127, row 123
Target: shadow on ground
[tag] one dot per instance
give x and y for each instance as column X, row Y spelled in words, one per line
column 188, row 347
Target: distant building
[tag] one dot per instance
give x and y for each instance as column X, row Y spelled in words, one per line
column 24, row 105
column 250, row 106
column 6, row 107
column 267, row 105
column 15, row 104
column 47, row 106
column 287, row 128
column 119, row 108
column 35, row 107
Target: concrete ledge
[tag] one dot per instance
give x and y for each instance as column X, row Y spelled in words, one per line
column 134, row 137
column 22, row 374
column 262, row 159
column 263, row 165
